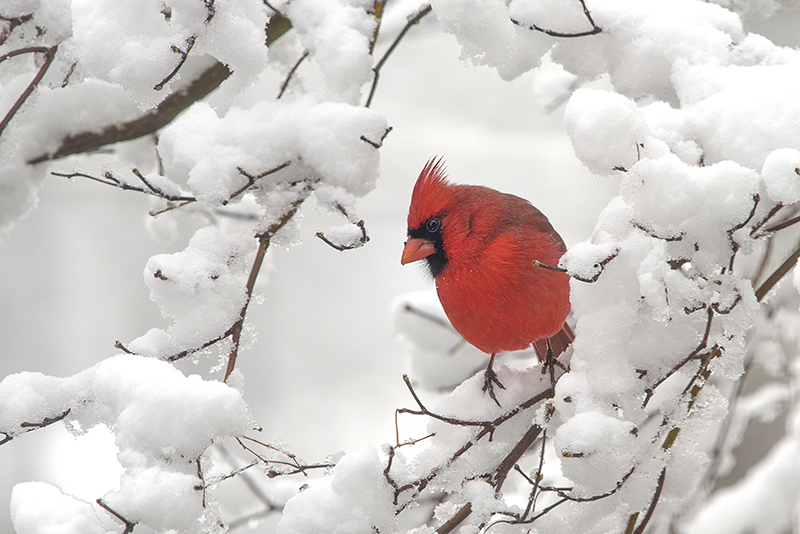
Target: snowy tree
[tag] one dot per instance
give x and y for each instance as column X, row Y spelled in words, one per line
column 229, row 117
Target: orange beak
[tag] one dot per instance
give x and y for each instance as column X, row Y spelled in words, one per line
column 416, row 249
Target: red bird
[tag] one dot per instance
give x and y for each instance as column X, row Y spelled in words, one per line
column 480, row 246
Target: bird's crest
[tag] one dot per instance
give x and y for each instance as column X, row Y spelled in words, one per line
column 430, row 197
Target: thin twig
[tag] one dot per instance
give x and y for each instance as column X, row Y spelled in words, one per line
column 784, row 224
column 263, row 244
column 377, row 12
column 653, row 502
column 128, row 524
column 776, row 276
column 531, row 506
column 184, row 56
column 595, row 28
column 285, row 83
column 346, row 246
column 251, row 179
column 412, row 20
column 296, row 466
column 248, row 480
column 601, row 265
column 775, row 209
column 28, row 426
column 379, row 143
column 487, row 429
column 692, row 356
column 49, row 56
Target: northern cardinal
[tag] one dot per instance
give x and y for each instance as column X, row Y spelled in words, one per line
column 480, row 246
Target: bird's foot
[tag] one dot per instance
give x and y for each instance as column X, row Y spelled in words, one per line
column 550, row 364
column 489, row 381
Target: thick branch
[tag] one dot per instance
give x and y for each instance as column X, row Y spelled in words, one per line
column 164, row 113
column 147, row 124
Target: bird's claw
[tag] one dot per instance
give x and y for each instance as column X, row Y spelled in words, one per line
column 489, row 381
column 550, row 364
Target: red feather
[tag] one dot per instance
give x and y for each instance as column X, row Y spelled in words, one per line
column 481, row 256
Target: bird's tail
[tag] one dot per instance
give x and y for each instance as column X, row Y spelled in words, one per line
column 558, row 343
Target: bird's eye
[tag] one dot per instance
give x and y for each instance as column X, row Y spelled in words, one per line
column 433, row 224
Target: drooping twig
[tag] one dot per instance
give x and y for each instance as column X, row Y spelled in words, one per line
column 412, row 20
column 379, row 143
column 346, row 246
column 49, row 55
column 654, row 235
column 553, row 33
column 601, row 265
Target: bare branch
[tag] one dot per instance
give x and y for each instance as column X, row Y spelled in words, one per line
column 294, row 464
column 601, row 265
column 379, row 143
column 128, row 524
column 594, row 30
column 147, row 124
column 164, row 113
column 11, row 24
column 692, row 356
column 285, row 83
column 653, row 502
column 487, row 429
column 109, row 179
column 184, row 56
column 347, row 246
column 49, row 56
column 264, row 240
column 28, row 426
column 776, row 276
column 412, row 20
